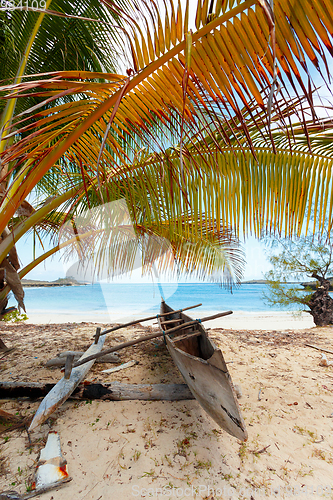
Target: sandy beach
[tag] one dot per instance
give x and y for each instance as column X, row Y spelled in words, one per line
column 163, row 449
column 239, row 320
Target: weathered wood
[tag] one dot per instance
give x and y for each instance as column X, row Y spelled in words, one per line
column 64, row 354
column 4, row 350
column 114, row 391
column 150, row 337
column 180, row 320
column 3, row 347
column 107, row 358
column 68, row 366
column 64, row 388
column 197, row 321
column 135, row 322
column 319, row 348
column 40, row 491
column 121, row 367
column 187, row 336
column 61, row 360
column 204, row 370
column 97, row 334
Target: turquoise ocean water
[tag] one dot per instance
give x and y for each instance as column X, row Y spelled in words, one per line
column 104, row 302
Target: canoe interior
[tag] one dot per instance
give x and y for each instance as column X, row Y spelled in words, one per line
column 204, row 370
column 200, row 346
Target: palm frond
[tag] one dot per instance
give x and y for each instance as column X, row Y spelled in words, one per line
column 226, row 71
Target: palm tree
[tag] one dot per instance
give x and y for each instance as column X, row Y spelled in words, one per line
column 31, row 42
column 212, row 94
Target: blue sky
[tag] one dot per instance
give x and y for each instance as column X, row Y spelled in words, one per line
column 54, row 268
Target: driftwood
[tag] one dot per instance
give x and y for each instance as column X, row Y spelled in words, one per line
column 121, row 367
column 61, row 359
column 319, row 348
column 114, row 391
column 9, row 422
column 69, row 366
column 14, row 495
column 4, row 348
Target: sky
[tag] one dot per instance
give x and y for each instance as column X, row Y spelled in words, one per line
column 54, row 268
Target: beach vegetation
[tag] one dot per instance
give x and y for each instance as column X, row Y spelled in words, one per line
column 319, row 454
column 183, row 446
column 136, row 455
column 297, row 260
column 305, row 471
column 156, row 462
column 28, row 487
column 151, row 473
column 129, row 429
column 15, row 317
column 243, row 452
column 204, row 134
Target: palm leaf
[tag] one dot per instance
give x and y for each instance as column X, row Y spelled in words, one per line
column 223, row 69
column 34, row 41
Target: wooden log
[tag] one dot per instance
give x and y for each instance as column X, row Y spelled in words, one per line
column 61, row 360
column 97, row 334
column 64, row 354
column 186, row 336
column 114, row 391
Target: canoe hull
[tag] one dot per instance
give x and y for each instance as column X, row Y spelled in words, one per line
column 204, row 370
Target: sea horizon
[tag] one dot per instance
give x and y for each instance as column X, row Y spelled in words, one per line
column 115, row 302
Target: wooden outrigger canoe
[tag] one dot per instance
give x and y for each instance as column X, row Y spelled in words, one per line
column 65, row 387
column 204, row 370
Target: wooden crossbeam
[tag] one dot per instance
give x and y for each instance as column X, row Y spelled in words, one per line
column 172, row 321
column 186, row 336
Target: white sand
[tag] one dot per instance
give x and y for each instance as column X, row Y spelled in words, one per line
column 237, row 321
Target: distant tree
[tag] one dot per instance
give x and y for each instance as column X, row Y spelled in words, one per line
column 296, row 260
